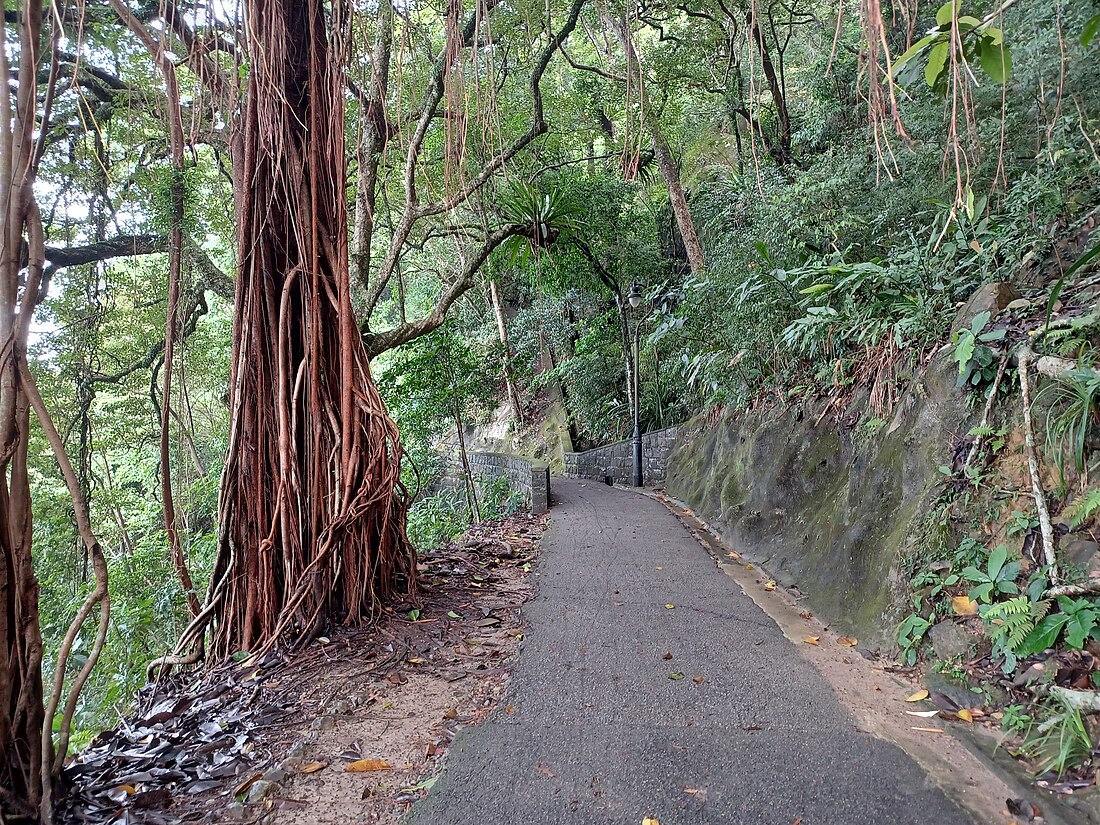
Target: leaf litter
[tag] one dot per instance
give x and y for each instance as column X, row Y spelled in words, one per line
column 197, row 745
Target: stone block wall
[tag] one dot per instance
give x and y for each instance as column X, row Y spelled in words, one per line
column 617, row 460
column 530, row 477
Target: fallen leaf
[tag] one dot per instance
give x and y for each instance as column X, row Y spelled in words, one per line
column 313, row 767
column 847, row 641
column 541, row 768
column 676, row 677
column 366, row 765
column 796, row 821
column 667, row 656
column 733, row 555
column 488, row 622
column 650, row 820
column 919, row 696
column 698, row 680
column 965, row 715
column 806, row 614
column 927, row 714
column 509, row 710
column 748, row 567
column 769, row 585
column 242, row 789
column 670, row 606
column 453, row 615
column 964, row 606
column 812, row 640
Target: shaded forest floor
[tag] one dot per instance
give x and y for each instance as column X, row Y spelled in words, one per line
column 366, row 714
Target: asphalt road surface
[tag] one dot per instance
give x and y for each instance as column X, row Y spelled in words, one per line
column 605, row 730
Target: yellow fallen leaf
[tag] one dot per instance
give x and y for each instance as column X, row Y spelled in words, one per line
column 919, row 696
column 847, row 641
column 365, row 765
column 964, row 606
column 650, row 820
column 812, row 640
column 769, row 585
column 670, row 606
column 748, row 567
column 965, row 715
column 927, row 714
column 313, row 767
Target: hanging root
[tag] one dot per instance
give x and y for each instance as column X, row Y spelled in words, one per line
column 1046, row 529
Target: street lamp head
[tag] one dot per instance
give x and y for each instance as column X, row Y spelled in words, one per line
column 635, row 297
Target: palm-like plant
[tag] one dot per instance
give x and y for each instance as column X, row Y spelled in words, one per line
column 544, row 219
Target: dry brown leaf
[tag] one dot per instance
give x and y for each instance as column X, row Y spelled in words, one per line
column 509, row 710
column 313, row 767
column 964, row 606
column 806, row 614
column 812, row 640
column 541, row 768
column 242, row 789
column 847, row 641
column 733, row 555
column 919, row 696
column 366, row 765
column 698, row 680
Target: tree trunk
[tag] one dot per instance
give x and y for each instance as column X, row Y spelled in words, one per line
column 781, row 149
column 509, row 371
column 373, row 134
column 665, row 162
column 312, row 509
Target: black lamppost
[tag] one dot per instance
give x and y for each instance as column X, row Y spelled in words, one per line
column 635, row 300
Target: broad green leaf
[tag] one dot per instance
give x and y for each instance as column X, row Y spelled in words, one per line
column 1092, row 26
column 980, row 321
column 997, row 560
column 1043, row 636
column 816, row 289
column 912, row 52
column 996, row 60
column 946, row 12
column 937, row 59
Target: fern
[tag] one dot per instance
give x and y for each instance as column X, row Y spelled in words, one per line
column 1012, row 620
column 1083, row 508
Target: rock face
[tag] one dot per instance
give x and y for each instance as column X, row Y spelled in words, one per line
column 991, row 298
column 830, row 513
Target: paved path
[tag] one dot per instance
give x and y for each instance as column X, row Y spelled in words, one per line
column 601, row 734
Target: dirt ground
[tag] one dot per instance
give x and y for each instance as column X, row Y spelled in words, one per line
column 353, row 729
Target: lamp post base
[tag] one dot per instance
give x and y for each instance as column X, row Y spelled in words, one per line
column 636, row 445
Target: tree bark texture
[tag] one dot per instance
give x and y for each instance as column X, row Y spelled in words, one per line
column 312, row 508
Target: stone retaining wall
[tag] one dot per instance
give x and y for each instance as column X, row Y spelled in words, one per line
column 617, row 460
column 530, row 477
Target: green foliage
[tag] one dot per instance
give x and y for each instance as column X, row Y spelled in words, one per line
column 1083, row 508
column 1060, row 740
column 976, row 361
column 997, row 578
column 911, row 633
column 1009, row 623
column 980, row 42
column 1077, row 621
